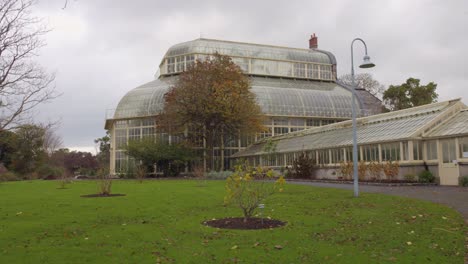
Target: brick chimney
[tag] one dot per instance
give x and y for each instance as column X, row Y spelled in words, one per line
column 313, row 42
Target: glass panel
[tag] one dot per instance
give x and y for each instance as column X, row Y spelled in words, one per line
column 448, row 150
column 323, row 156
column 337, row 156
column 313, row 122
column 390, row 151
column 371, row 152
column 405, row 150
column 463, row 143
column 431, row 149
column 417, row 150
column 299, row 70
column 170, row 65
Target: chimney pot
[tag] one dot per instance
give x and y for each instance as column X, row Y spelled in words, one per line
column 313, row 42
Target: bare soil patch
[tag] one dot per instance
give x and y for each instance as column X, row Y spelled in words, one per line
column 238, row 223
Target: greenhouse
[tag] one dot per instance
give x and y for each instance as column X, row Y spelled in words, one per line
column 431, row 137
column 295, row 88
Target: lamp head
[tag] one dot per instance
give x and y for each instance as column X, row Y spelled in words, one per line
column 366, row 63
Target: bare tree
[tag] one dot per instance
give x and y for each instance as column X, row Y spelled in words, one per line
column 52, row 141
column 365, row 81
column 24, row 84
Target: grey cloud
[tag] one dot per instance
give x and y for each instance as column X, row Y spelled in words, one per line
column 124, row 42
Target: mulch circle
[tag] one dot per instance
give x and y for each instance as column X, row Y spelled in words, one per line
column 238, row 223
column 96, row 195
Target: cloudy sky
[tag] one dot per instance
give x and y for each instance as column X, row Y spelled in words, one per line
column 101, row 49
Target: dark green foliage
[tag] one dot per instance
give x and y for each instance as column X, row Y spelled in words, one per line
column 29, row 153
column 464, row 181
column 48, row 171
column 410, row 94
column 8, row 145
column 303, row 167
column 170, row 158
column 426, row 176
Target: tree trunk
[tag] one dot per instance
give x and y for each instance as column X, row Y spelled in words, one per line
column 222, row 150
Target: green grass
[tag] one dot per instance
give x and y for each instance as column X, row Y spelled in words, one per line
column 161, row 221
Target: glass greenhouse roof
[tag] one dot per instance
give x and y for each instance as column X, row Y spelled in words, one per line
column 394, row 126
column 239, row 49
column 277, row 97
column 454, row 126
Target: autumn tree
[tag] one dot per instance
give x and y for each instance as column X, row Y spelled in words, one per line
column 212, row 101
column 24, row 84
column 410, row 94
column 365, row 81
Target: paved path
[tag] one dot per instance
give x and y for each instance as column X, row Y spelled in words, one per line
column 454, row 197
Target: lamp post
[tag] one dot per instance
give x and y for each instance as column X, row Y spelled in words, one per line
column 366, row 64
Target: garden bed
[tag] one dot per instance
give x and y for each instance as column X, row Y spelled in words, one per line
column 238, row 223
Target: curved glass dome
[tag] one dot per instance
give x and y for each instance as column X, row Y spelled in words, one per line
column 300, row 98
column 240, row 49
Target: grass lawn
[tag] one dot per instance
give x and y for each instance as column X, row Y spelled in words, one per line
column 160, row 221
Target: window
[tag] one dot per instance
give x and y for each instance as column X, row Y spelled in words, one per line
column 371, row 152
column 134, row 133
column 289, row 158
column 325, row 72
column 281, row 130
column 313, row 71
column 417, row 150
column 390, row 151
column 463, row 142
column 431, row 149
column 448, row 150
column 337, row 156
column 180, row 64
column 313, row 122
column 120, row 138
column 265, row 134
column 170, row 65
column 189, row 61
column 323, row 157
column 327, row 122
column 299, row 70
column 297, row 122
column 405, row 150
column 280, row 159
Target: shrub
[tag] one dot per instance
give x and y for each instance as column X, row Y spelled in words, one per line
column 50, row 172
column 375, row 170
column 105, row 182
column 304, row 167
column 9, row 176
column 362, row 170
column 247, row 187
column 410, row 177
column 464, row 181
column 140, row 172
column 391, row 169
column 346, row 170
column 426, row 176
